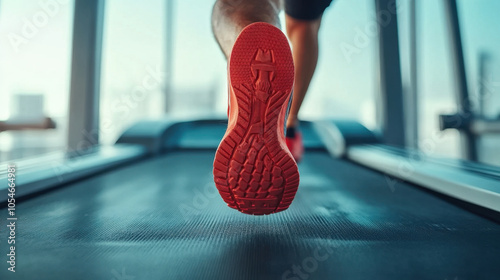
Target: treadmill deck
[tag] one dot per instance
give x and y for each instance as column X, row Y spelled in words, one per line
column 162, row 218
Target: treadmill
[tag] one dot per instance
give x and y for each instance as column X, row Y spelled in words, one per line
column 147, row 208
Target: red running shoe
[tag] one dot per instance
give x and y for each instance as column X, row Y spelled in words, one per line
column 253, row 169
column 294, row 143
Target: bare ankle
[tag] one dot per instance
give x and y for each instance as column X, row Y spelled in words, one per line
column 292, row 121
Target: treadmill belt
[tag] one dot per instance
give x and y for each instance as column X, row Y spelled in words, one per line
column 162, row 218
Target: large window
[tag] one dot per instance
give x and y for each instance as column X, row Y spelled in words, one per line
column 435, row 82
column 481, row 39
column 199, row 83
column 136, row 40
column 35, row 55
column 134, row 61
column 133, row 64
column 344, row 85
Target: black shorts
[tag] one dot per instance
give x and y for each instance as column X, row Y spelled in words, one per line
column 306, row 9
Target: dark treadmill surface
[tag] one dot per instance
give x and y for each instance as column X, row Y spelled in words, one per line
column 162, row 219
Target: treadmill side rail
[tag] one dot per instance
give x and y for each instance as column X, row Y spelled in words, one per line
column 33, row 176
column 467, row 186
column 476, row 183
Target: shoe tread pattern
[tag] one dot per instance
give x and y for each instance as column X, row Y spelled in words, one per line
column 253, row 170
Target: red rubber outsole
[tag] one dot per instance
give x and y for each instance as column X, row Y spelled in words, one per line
column 253, row 169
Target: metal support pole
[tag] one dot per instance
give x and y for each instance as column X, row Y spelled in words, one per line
column 83, row 128
column 468, row 140
column 393, row 128
column 483, row 57
column 169, row 50
column 412, row 101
